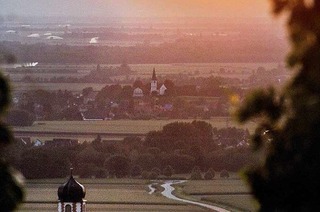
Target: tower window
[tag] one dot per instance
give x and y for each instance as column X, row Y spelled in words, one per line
column 68, row 208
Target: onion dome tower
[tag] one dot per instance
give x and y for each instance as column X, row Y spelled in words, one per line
column 71, row 196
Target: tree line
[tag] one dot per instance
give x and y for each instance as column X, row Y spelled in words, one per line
column 178, row 148
column 186, row 51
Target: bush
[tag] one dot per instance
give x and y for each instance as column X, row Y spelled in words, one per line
column 153, row 175
column 145, row 175
column 168, row 171
column 213, row 172
column 136, row 171
column 117, row 165
column 196, row 169
column 196, row 174
column 224, row 174
column 208, row 175
column 20, row 118
column 156, row 170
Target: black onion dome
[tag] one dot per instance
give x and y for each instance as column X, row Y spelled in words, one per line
column 71, row 191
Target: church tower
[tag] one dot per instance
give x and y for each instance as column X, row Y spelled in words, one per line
column 154, row 82
column 71, row 196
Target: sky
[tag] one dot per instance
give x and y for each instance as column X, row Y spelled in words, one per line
column 136, row 8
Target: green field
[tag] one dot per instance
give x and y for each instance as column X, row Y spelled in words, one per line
column 73, row 87
column 232, row 192
column 132, row 195
column 232, row 70
column 121, row 126
column 102, row 195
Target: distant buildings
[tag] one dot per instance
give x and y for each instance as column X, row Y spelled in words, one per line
column 154, row 89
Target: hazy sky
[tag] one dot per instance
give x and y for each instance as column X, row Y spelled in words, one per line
column 136, row 8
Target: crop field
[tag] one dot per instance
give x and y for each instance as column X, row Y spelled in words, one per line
column 73, row 87
column 121, row 126
column 102, row 195
column 132, row 195
column 200, row 68
column 232, row 70
column 232, row 192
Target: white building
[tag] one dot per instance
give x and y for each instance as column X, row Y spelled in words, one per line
column 138, row 92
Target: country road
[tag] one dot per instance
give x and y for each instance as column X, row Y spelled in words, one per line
column 168, row 189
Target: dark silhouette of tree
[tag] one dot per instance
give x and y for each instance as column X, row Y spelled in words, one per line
column 118, row 166
column 11, row 193
column 287, row 177
column 20, row 118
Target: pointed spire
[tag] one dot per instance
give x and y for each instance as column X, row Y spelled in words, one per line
column 154, row 77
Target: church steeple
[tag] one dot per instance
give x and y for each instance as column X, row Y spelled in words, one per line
column 154, row 77
column 154, row 83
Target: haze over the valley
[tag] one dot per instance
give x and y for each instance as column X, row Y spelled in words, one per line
column 136, row 8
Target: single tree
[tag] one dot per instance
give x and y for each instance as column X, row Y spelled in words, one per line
column 11, row 193
column 288, row 134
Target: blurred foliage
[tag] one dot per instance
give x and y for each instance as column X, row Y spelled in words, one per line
column 10, row 189
column 287, row 139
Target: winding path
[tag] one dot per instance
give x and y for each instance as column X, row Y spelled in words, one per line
column 168, row 189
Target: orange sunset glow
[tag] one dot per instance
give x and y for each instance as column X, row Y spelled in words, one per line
column 130, row 105
column 139, row 8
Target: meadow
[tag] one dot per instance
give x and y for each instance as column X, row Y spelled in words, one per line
column 122, row 126
column 132, row 195
column 102, row 195
column 73, row 87
column 232, row 193
column 143, row 71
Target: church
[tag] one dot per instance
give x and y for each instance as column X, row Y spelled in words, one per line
column 154, row 89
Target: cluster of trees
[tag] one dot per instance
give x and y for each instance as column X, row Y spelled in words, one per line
column 181, row 51
column 98, row 75
column 41, row 104
column 176, row 149
column 64, row 105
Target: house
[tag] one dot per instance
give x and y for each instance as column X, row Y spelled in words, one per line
column 137, row 93
column 162, row 90
column 38, row 142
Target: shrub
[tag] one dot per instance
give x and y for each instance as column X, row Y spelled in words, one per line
column 196, row 169
column 168, row 171
column 196, row 174
column 153, row 175
column 145, row 175
column 224, row 174
column 156, row 170
column 20, row 118
column 136, row 171
column 208, row 175
column 117, row 165
column 212, row 172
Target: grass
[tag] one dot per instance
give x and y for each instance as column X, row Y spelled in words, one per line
column 132, row 195
column 120, row 126
column 233, row 70
column 232, row 192
column 102, row 195
column 74, row 87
